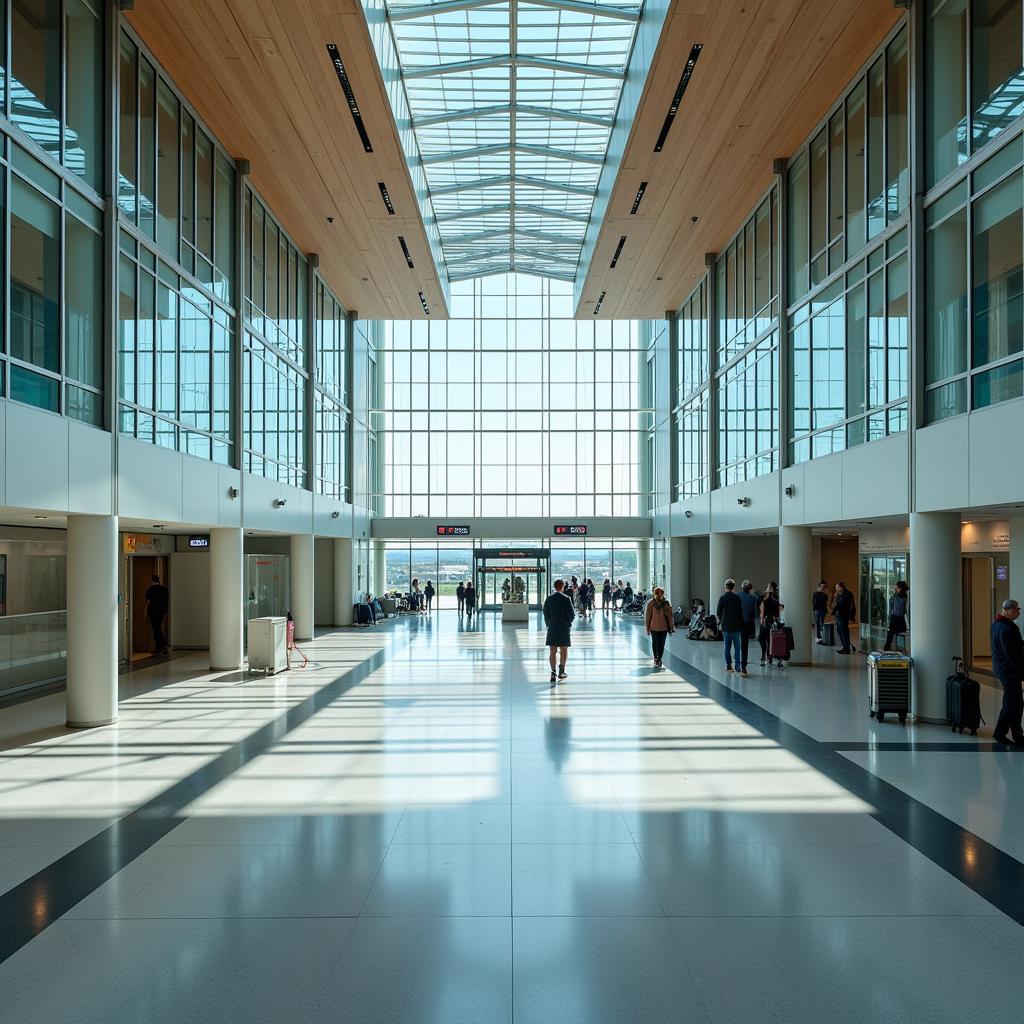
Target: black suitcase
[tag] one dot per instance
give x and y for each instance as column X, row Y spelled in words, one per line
column 828, row 634
column 963, row 700
column 362, row 616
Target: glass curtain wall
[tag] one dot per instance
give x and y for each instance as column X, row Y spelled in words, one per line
column 511, row 407
column 332, row 406
column 275, row 356
column 747, row 343
column 847, row 266
column 692, row 394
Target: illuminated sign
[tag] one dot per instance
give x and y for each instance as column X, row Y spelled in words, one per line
column 571, row 531
column 199, row 542
column 453, row 531
column 513, row 570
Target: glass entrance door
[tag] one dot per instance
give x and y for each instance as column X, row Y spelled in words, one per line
column 516, row 575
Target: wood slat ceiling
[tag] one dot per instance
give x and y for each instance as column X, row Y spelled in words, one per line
column 768, row 73
column 258, row 73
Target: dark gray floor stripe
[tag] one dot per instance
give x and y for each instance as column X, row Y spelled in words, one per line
column 992, row 873
column 981, row 746
column 33, row 905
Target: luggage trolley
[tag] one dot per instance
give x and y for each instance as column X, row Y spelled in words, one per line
column 889, row 685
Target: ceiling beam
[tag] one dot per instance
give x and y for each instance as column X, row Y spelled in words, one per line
column 617, row 13
column 507, row 60
column 548, row 113
column 483, row 211
column 520, row 147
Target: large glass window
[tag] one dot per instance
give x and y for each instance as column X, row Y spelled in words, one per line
column 975, row 334
column 331, row 395
column 852, row 180
column 511, row 407
column 748, row 433
column 974, row 78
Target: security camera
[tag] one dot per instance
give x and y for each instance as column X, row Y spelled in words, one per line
column 743, row 501
column 280, row 502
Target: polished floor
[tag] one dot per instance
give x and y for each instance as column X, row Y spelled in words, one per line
column 419, row 828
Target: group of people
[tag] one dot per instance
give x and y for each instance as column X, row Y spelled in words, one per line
column 843, row 606
column 744, row 614
column 465, row 597
column 421, row 599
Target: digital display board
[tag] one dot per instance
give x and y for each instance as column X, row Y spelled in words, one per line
column 199, row 542
column 452, row 531
column 579, row 530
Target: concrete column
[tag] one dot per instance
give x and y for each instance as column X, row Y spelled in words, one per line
column 643, row 564
column 226, row 585
column 1017, row 559
column 92, row 621
column 796, row 570
column 936, row 634
column 679, row 571
column 377, row 583
column 301, row 584
column 344, row 587
column 720, row 561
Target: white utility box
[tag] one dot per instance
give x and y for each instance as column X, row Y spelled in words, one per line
column 514, row 612
column 268, row 644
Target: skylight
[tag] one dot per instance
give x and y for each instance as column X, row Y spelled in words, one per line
column 512, row 106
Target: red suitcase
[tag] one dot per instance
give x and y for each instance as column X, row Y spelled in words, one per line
column 778, row 644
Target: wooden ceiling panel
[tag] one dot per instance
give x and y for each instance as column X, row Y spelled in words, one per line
column 258, row 73
column 768, row 72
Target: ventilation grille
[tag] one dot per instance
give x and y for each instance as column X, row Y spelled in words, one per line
column 386, row 196
column 423, row 303
column 684, row 81
column 600, row 301
column 618, row 252
column 638, row 198
column 350, row 96
column 408, row 255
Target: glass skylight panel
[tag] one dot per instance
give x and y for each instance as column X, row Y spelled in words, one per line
column 512, row 107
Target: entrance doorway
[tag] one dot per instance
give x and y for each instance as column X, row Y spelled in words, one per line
column 985, row 586
column 510, row 570
column 141, row 570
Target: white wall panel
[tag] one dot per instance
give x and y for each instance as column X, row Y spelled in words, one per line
column 823, row 489
column 189, row 614
column 941, row 465
column 200, row 481
column 36, row 453
column 90, row 458
column 994, row 457
column 260, row 512
column 728, row 516
column 149, row 481
column 876, row 478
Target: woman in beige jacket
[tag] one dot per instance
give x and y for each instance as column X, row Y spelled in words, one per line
column 658, row 618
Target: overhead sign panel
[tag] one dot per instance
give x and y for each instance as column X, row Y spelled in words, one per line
column 575, row 530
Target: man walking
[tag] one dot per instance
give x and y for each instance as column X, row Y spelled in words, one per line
column 819, row 609
column 1008, row 665
column 158, row 599
column 730, row 622
column 844, row 611
column 558, row 617
column 460, row 596
column 749, row 602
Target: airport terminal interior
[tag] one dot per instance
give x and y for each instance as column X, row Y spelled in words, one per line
column 349, row 349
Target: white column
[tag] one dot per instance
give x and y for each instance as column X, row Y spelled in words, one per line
column 92, row 621
column 1017, row 559
column 301, row 584
column 226, row 586
column 643, row 564
column 344, row 588
column 795, row 587
column 679, row 571
column 377, row 584
column 936, row 631
column 720, row 562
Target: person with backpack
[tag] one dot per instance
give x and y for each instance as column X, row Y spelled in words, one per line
column 659, row 623
column 844, row 611
column 771, row 613
column 819, row 609
column 730, row 621
column 899, row 602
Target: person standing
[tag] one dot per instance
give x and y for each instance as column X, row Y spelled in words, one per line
column 558, row 617
column 819, row 608
column 470, row 599
column 1008, row 665
column 771, row 613
column 428, row 593
column 844, row 611
column 749, row 602
column 627, row 595
column 158, row 599
column 460, row 596
column 606, row 594
column 899, row 602
column 659, row 623
column 730, row 622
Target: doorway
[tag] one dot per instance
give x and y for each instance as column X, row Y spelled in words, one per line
column 511, row 571
column 979, row 609
column 141, row 570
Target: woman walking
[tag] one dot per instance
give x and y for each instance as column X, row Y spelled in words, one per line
column 898, row 604
column 771, row 612
column 659, row 623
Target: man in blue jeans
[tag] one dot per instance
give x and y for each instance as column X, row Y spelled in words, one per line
column 730, row 622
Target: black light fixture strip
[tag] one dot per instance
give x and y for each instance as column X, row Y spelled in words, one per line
column 386, row 196
column 408, row 255
column 639, row 196
column 350, row 96
column 600, row 300
column 684, row 81
column 618, row 252
column 423, row 303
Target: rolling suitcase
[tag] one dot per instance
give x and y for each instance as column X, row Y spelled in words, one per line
column 963, row 700
column 828, row 634
column 778, row 643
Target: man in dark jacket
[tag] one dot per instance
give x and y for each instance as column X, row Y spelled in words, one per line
column 730, row 622
column 1008, row 665
column 558, row 616
column 844, row 611
column 460, row 596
